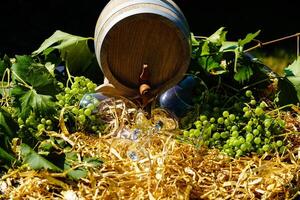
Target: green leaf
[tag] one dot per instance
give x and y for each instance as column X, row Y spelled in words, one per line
column 194, row 41
column 243, row 74
column 75, row 174
column 4, row 64
column 7, row 125
column 249, row 37
column 36, row 161
column 73, row 49
column 9, row 158
column 228, row 46
column 295, row 80
column 50, row 67
column 205, row 49
column 35, row 74
column 36, row 102
column 93, row 162
column 293, row 69
column 218, row 37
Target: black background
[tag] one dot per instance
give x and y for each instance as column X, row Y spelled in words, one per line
column 25, row 24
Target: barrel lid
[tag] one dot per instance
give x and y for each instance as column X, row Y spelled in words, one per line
column 144, row 37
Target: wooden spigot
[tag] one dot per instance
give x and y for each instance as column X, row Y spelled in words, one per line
column 145, row 88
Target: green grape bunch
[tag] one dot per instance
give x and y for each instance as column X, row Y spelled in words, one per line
column 84, row 118
column 240, row 132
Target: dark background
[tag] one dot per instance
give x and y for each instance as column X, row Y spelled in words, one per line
column 25, row 24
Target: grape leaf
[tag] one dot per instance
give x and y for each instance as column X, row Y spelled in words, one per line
column 35, row 74
column 9, row 158
column 4, row 64
column 73, row 49
column 243, row 73
column 218, row 37
column 194, row 41
column 39, row 103
column 249, row 37
column 7, row 125
column 228, row 46
column 36, row 161
column 293, row 69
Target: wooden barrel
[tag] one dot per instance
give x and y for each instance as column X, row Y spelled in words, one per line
column 132, row 33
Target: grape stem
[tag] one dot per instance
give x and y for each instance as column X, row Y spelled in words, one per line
column 261, row 44
column 280, row 108
column 69, row 76
column 5, row 94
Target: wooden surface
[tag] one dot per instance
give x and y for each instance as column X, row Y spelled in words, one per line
column 137, row 33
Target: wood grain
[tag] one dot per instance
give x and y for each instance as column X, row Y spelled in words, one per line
column 141, row 33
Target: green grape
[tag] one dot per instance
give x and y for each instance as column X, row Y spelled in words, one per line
column 267, row 123
column 243, row 147
column 248, row 128
column 216, row 136
column 259, row 151
column 212, row 120
column 247, row 114
column 268, row 133
column 267, row 140
column 239, row 152
column 87, row 112
column 245, row 109
column 249, row 137
column 90, row 86
column 266, row 147
column 234, row 128
column 259, row 127
column 43, row 121
column 67, row 90
column 203, row 118
column 92, row 117
column 186, row 133
column 235, row 134
column 197, row 132
column 81, row 118
column 213, row 127
column 255, row 132
column 282, row 149
column 75, row 110
column 205, row 123
column 232, row 117
column 263, row 104
column 41, row 127
column 241, row 140
column 257, row 140
column 220, row 120
column 248, row 93
column 90, row 106
column 224, row 135
column 74, row 91
column 48, row 122
column 227, row 122
column 20, row 121
column 259, row 111
column 279, row 143
column 225, row 114
column 61, row 102
column 252, row 102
